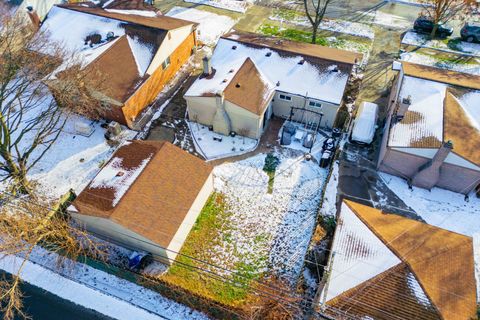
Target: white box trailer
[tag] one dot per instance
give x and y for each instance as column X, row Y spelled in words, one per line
column 365, row 123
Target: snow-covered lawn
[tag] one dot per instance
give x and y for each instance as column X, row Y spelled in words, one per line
column 471, row 66
column 211, row 26
column 213, row 149
column 246, row 232
column 444, row 209
column 285, row 218
column 74, row 159
column 342, row 26
column 96, row 290
column 232, row 5
column 421, row 40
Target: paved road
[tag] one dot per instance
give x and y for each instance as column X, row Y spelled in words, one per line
column 42, row 305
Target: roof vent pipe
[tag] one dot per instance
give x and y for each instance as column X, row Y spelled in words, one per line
column 207, row 66
column 403, row 107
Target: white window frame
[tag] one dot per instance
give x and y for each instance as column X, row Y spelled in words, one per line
column 314, row 104
column 166, row 63
column 285, row 97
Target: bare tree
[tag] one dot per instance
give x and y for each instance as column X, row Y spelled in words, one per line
column 442, row 11
column 315, row 11
column 30, row 118
column 27, row 223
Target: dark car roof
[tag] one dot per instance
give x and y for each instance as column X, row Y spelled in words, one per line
column 473, row 24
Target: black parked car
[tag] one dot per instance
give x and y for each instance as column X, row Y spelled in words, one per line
column 424, row 25
column 471, row 32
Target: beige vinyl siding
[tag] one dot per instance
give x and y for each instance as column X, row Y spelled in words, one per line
column 281, row 108
column 190, row 219
column 113, row 232
column 242, row 119
column 201, row 109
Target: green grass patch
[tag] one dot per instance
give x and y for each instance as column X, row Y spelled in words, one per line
column 213, row 228
column 290, row 34
column 286, row 14
column 270, row 166
column 338, row 41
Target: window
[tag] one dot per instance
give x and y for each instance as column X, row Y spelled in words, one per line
column 166, row 63
column 314, row 104
column 286, row 98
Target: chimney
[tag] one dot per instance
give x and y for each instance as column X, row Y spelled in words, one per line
column 442, row 153
column 207, row 66
column 221, row 121
column 403, row 107
column 219, row 98
column 34, row 18
column 428, row 174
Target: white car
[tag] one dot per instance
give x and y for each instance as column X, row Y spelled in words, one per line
column 365, row 123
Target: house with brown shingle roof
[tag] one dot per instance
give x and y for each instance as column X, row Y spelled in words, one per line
column 432, row 134
column 137, row 51
column 251, row 77
column 147, row 197
column 384, row 266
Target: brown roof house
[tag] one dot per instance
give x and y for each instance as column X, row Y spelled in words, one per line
column 432, row 133
column 384, row 266
column 138, row 51
column 251, row 77
column 147, row 197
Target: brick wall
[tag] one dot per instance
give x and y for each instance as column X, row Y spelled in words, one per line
column 150, row 89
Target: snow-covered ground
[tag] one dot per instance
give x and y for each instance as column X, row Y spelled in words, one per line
column 96, row 290
column 276, row 225
column 473, row 67
column 422, row 40
column 329, row 207
column 74, row 159
column 342, row 26
column 213, row 149
column 444, row 209
column 211, row 26
column 297, row 143
column 388, row 20
column 232, row 5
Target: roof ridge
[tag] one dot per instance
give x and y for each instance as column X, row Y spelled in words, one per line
column 115, row 43
column 278, row 39
column 376, row 280
column 467, row 123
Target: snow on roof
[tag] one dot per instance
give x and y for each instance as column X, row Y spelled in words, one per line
column 142, row 52
column 117, row 177
column 211, row 26
column 359, row 255
column 144, row 13
column 471, row 105
column 423, row 122
column 71, row 28
column 293, row 73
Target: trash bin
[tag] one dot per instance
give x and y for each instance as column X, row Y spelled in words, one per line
column 308, row 141
column 325, row 160
column 286, row 139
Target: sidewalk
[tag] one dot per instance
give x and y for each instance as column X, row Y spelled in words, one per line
column 96, row 290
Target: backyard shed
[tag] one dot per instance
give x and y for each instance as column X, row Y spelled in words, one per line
column 147, row 197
